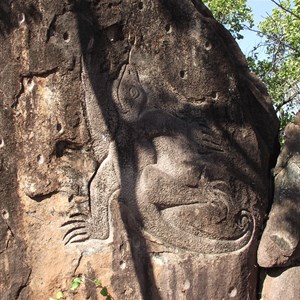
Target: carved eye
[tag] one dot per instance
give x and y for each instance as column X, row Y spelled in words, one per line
column 134, row 92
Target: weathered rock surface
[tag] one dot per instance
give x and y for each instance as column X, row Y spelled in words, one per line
column 135, row 149
column 280, row 240
column 279, row 245
column 281, row 283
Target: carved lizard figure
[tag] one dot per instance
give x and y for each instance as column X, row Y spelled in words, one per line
column 169, row 181
column 172, row 182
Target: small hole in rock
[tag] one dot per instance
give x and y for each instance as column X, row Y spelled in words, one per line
column 71, row 198
column 40, row 159
column 141, row 5
column 207, row 46
column 60, row 148
column 21, row 18
column 215, row 95
column 30, row 84
column 59, row 127
column 122, row 264
column 109, row 5
column 66, row 36
column 168, row 28
column 5, row 214
column 182, row 74
column 232, row 292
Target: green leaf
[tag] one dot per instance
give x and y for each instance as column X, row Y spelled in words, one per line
column 75, row 283
column 97, row 283
column 59, row 295
column 108, row 297
column 104, row 292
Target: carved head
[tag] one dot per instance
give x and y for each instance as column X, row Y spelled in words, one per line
column 129, row 94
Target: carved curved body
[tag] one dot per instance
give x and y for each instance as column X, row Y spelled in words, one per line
column 164, row 201
column 177, row 202
column 175, row 184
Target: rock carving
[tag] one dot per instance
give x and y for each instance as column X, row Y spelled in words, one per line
column 178, row 203
column 135, row 148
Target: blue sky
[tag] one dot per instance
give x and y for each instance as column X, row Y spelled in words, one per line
column 260, row 8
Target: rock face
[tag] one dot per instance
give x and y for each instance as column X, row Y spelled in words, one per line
column 135, row 149
column 280, row 240
column 279, row 246
column 281, row 283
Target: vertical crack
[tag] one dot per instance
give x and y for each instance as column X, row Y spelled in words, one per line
column 78, row 264
column 19, row 94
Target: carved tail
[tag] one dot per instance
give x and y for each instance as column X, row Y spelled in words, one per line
column 171, row 235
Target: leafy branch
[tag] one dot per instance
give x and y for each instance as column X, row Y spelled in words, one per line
column 280, row 46
column 286, row 9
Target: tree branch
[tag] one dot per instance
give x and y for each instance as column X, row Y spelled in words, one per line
column 285, row 9
column 288, row 100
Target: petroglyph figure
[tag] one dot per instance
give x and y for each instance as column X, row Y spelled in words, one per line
column 160, row 163
column 177, row 202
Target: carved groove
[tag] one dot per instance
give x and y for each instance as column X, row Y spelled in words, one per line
column 75, row 234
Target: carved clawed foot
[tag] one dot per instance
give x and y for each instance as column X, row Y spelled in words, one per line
column 75, row 229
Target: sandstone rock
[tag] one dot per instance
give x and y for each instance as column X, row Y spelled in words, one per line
column 282, row 283
column 279, row 245
column 136, row 149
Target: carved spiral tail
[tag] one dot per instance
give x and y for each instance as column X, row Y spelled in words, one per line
column 202, row 244
column 213, row 246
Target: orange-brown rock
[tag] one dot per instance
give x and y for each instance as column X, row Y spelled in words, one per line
column 135, row 149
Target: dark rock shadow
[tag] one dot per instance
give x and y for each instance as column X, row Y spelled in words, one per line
column 101, row 80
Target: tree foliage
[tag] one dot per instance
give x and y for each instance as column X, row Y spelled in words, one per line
column 280, row 70
column 280, row 66
column 236, row 15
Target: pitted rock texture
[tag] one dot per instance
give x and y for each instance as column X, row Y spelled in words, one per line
column 136, row 147
column 279, row 245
